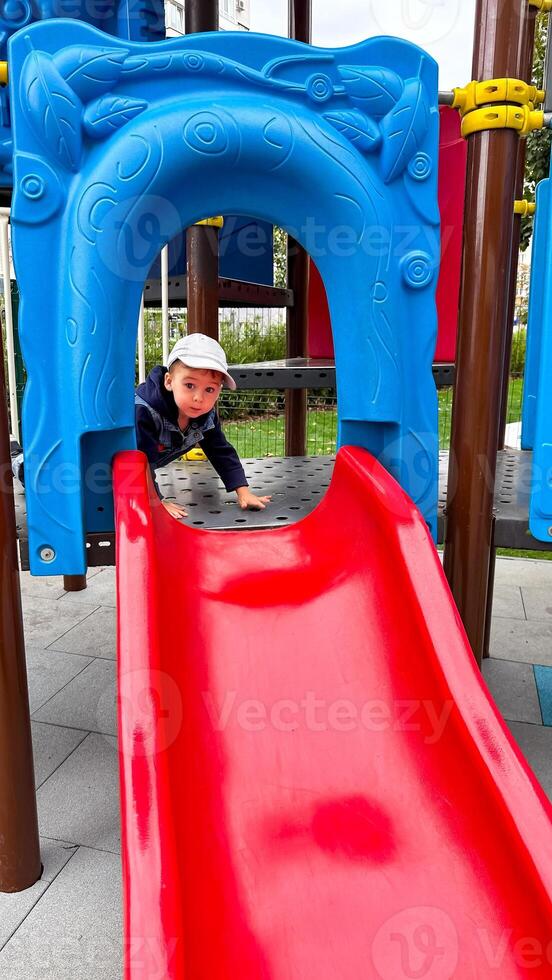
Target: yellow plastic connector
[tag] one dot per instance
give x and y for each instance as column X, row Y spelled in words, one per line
column 195, row 455
column 3, row 72
column 514, row 90
column 217, row 222
column 524, row 208
column 544, row 5
column 521, row 118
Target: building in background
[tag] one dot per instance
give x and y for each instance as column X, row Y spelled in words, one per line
column 234, row 16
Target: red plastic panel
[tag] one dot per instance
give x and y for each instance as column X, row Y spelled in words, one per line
column 452, row 181
column 314, row 780
column 453, row 156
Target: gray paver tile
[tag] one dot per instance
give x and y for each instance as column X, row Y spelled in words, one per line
column 514, row 689
column 507, row 602
column 48, row 671
column 88, row 701
column 530, row 643
column 535, row 742
column 80, row 801
column 45, row 620
column 95, row 637
column 51, row 746
column 537, row 602
column 15, row 908
column 54, row 854
column 41, row 587
column 75, row 931
column 50, row 586
column 523, row 571
column 101, row 589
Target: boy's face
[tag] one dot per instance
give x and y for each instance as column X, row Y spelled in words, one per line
column 195, row 390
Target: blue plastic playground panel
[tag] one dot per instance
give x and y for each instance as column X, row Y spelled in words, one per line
column 540, row 264
column 136, row 20
column 543, row 680
column 245, row 252
column 537, row 406
column 119, row 146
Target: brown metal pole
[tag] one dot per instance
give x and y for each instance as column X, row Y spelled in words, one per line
column 202, row 250
column 500, row 47
column 202, row 245
column 74, row 583
column 201, row 15
column 298, row 261
column 300, row 20
column 526, row 60
column 19, row 848
column 297, row 325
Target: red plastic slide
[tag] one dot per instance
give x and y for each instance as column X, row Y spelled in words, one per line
column 315, row 782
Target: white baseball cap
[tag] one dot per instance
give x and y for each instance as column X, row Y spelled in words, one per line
column 199, row 351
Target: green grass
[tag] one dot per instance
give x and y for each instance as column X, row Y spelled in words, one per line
column 264, row 435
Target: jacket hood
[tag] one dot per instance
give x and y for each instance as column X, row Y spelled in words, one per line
column 153, row 391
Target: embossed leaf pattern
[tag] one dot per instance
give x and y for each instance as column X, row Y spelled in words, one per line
column 53, row 108
column 357, row 127
column 403, row 129
column 89, row 71
column 109, row 113
column 375, row 89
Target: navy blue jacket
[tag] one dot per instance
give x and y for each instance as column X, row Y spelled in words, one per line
column 160, row 438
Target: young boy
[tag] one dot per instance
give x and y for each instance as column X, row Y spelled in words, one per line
column 175, row 409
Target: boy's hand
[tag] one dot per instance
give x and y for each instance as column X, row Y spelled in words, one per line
column 175, row 510
column 247, row 499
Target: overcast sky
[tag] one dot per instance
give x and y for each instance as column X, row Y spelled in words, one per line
column 442, row 27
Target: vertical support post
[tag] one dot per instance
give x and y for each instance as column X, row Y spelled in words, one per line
column 500, row 47
column 19, row 848
column 202, row 247
column 165, row 302
column 19, row 370
column 300, row 28
column 296, row 346
column 74, row 583
column 202, row 244
column 6, row 277
column 141, row 343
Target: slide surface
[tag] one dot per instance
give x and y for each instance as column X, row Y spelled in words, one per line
column 315, row 783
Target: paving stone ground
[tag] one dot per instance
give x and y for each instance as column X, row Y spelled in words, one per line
column 68, row 926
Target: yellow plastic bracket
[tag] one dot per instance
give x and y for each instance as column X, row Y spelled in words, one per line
column 195, row 455
column 544, row 5
column 521, row 118
column 524, row 208
column 3, row 72
column 217, row 222
column 514, row 90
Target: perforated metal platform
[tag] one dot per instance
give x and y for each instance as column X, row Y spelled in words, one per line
column 309, row 372
column 297, row 485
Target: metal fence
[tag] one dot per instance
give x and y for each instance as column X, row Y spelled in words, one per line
column 253, row 419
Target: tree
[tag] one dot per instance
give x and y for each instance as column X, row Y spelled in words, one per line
column 280, row 258
column 537, row 160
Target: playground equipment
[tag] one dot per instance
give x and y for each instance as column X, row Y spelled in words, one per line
column 346, row 138
column 321, row 119
column 301, row 794
column 536, row 418
column 272, row 818
column 452, row 179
